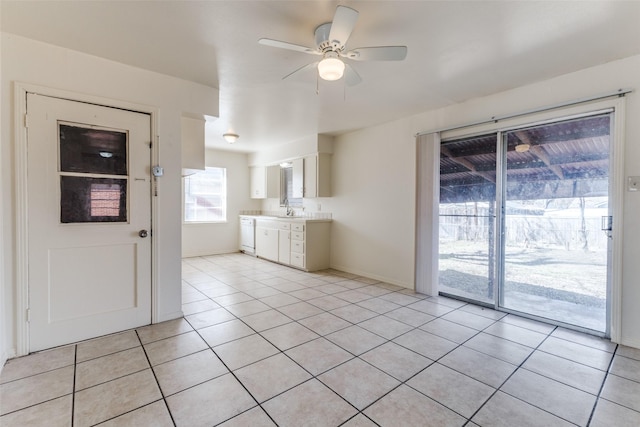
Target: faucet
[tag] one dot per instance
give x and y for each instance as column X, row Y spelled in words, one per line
column 290, row 211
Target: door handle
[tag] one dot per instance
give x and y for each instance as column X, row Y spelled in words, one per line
column 143, row 233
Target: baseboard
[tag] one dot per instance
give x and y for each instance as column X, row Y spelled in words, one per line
column 169, row 316
column 371, row 276
column 6, row 356
column 192, row 254
column 630, row 343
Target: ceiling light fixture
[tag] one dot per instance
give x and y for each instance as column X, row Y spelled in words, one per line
column 523, row 148
column 331, row 67
column 231, row 137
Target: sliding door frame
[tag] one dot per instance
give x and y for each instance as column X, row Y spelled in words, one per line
column 427, row 240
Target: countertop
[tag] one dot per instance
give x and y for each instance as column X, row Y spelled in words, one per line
column 288, row 218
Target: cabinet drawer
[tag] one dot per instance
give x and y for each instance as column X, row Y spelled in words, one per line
column 284, row 226
column 296, row 226
column 297, row 246
column 297, row 260
column 297, row 235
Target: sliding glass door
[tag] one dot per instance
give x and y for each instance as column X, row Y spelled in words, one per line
column 555, row 203
column 467, row 235
column 523, row 220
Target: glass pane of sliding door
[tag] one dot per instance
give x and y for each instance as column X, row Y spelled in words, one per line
column 554, row 208
column 468, row 218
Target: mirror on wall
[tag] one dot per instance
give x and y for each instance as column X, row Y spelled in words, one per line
column 287, row 193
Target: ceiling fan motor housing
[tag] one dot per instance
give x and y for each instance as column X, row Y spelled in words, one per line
column 323, row 42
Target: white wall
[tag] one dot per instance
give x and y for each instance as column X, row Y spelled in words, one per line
column 37, row 63
column 209, row 239
column 373, row 203
column 374, row 179
column 311, row 144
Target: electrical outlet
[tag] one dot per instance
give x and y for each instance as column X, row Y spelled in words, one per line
column 633, row 183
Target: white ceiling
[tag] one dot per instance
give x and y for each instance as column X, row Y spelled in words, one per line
column 457, row 50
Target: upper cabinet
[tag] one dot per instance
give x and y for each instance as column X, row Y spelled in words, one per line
column 192, row 145
column 265, row 182
column 317, row 175
column 310, row 177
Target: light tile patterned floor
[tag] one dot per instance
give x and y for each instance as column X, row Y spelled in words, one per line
column 265, row 345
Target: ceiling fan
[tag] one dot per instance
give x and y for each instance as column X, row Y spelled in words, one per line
column 331, row 39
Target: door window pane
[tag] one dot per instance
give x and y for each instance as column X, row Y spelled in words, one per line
column 93, row 199
column 89, row 150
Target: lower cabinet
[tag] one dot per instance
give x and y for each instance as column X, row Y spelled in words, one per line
column 284, row 246
column 267, row 242
column 302, row 244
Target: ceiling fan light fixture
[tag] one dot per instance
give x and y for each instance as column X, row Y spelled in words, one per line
column 523, row 148
column 331, row 67
column 231, row 137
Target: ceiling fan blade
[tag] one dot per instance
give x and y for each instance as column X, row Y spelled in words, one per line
column 377, row 53
column 342, row 25
column 351, row 77
column 302, row 69
column 288, row 46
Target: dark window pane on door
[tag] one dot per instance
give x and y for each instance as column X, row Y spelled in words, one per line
column 87, row 150
column 92, row 199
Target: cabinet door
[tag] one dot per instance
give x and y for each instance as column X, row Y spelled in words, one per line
column 284, row 246
column 310, row 176
column 267, row 243
column 273, row 182
column 298, row 179
column 323, row 175
column 258, row 182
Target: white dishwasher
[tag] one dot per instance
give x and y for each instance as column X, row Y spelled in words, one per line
column 248, row 235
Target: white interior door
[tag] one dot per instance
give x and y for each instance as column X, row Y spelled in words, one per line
column 89, row 219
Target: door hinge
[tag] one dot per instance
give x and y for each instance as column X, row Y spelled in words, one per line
column 28, row 315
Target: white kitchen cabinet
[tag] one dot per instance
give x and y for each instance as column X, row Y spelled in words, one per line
column 267, row 240
column 265, row 182
column 304, row 244
column 297, row 192
column 317, row 175
column 284, row 243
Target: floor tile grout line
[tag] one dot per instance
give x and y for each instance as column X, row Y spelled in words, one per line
column 497, row 389
column 604, row 380
column 495, row 320
column 405, row 382
column 73, row 390
column 302, row 367
column 237, row 379
column 521, row 366
column 155, row 377
column 571, row 360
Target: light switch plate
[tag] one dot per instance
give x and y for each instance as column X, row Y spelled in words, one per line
column 633, row 183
